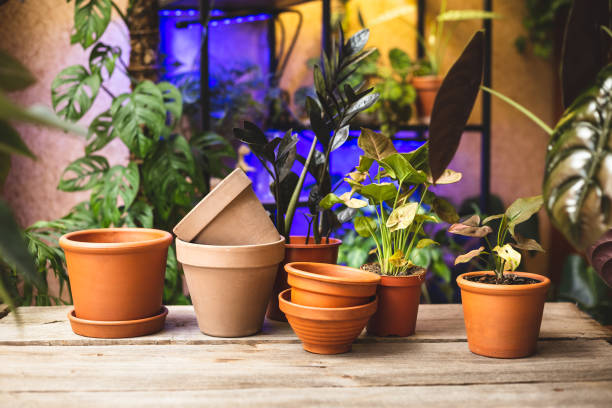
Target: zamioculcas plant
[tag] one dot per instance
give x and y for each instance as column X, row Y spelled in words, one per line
column 330, row 115
column 504, row 255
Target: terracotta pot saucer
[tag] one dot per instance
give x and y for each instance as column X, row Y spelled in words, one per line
column 118, row 329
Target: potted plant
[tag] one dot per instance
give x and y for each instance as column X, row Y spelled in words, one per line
column 117, row 280
column 396, row 225
column 330, row 117
column 502, row 308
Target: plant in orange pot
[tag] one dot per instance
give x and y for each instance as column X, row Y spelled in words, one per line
column 502, row 308
column 330, row 117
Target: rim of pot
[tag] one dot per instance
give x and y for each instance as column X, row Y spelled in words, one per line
column 325, row 313
column 159, row 238
column 402, row 281
column 332, row 242
column 489, row 288
column 359, row 277
column 163, row 312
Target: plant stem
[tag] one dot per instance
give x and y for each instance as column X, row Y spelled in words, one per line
column 107, row 91
column 295, row 196
column 118, row 10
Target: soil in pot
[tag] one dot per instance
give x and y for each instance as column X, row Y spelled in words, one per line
column 398, row 303
column 427, row 88
column 326, row 330
column 230, row 285
column 116, row 274
column 297, row 250
column 503, row 320
column 329, row 285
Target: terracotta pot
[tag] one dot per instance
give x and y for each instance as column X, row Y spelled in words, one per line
column 326, row 330
column 118, row 329
column 230, row 285
column 427, row 88
column 503, row 321
column 298, row 251
column 329, row 285
column 116, row 274
column 231, row 214
column 398, row 305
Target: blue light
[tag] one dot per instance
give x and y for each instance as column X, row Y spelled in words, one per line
column 216, row 13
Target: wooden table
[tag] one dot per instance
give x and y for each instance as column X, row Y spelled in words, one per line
column 42, row 363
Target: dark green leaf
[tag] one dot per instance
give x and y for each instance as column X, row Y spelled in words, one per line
column 139, row 215
column 173, row 101
column 104, row 56
column 14, row 76
column 139, row 117
column 378, row 193
column 580, row 283
column 400, row 61
column 453, row 105
column 356, row 42
column 287, row 153
column 319, row 127
column 73, row 91
column 91, row 17
column 319, row 81
column 585, row 47
column 119, row 183
column 444, row 210
column 5, row 168
column 12, row 246
column 102, row 131
column 577, row 187
column 83, row 174
column 11, row 142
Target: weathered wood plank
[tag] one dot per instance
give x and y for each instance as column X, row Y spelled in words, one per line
column 49, row 326
column 583, row 394
column 270, row 365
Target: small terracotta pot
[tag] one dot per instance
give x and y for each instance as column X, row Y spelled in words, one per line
column 298, row 251
column 326, row 330
column 503, row 321
column 230, row 285
column 398, row 305
column 329, row 285
column 116, row 274
column 231, row 214
column 427, row 88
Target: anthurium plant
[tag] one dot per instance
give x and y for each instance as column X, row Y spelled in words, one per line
column 504, row 255
column 330, row 114
column 398, row 193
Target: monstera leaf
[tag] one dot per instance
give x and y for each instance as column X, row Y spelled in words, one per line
column 578, row 179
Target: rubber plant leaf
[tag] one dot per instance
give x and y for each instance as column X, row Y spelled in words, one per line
column 453, row 105
column 577, row 187
column 585, row 47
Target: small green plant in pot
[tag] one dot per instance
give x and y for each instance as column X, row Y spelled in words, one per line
column 396, row 225
column 502, row 308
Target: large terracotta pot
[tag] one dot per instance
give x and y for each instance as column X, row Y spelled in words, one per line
column 230, row 285
column 231, row 214
column 116, row 274
column 503, row 321
column 326, row 330
column 427, row 88
column 398, row 305
column 298, row 251
column 329, row 285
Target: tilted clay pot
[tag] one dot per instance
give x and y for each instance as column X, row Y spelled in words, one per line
column 427, row 88
column 503, row 321
column 116, row 274
column 231, row 214
column 330, row 285
column 326, row 330
column 298, row 251
column 398, row 305
column 230, row 285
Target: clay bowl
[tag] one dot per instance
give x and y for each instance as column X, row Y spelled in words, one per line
column 327, row 285
column 326, row 330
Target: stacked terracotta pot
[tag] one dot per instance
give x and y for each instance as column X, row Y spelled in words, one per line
column 328, row 305
column 230, row 252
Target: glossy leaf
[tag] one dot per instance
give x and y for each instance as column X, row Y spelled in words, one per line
column 453, row 105
column 577, row 187
column 91, row 17
column 469, row 256
column 491, row 218
column 364, row 226
column 521, row 210
column 356, row 42
column 73, row 91
column 375, row 145
column 378, row 193
column 331, row 199
column 512, row 258
column 585, row 47
column 83, row 173
column 139, row 117
column 339, row 138
column 11, row 142
column 287, row 154
column 14, row 76
column 398, row 168
column 402, row 216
